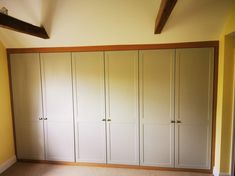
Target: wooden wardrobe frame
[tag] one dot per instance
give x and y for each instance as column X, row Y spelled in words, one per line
column 199, row 44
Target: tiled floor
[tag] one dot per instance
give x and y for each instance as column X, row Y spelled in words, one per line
column 32, row 169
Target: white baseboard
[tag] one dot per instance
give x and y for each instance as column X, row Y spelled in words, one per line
column 7, row 164
column 217, row 173
column 224, row 174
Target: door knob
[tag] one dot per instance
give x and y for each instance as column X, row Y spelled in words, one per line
column 109, row 120
column 45, row 118
column 40, row 118
column 103, row 120
column 178, row 121
column 172, row 121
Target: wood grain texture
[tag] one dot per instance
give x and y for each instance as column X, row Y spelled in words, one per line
column 199, row 44
column 14, row 24
column 164, row 12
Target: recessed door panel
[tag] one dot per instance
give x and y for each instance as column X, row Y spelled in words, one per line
column 194, row 90
column 91, row 142
column 88, row 69
column 157, row 108
column 193, row 154
column 59, row 146
column 27, row 101
column 122, row 141
column 157, row 144
column 121, row 74
column 58, row 106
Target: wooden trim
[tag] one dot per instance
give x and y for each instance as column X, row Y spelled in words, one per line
column 214, row 44
column 116, row 166
column 200, row 44
column 215, row 88
column 164, row 13
column 14, row 24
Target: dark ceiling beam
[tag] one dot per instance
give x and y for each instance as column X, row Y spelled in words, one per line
column 14, row 24
column 164, row 12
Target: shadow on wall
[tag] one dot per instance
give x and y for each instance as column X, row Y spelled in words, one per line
column 228, row 93
column 9, row 38
column 31, row 10
column 184, row 14
column 48, row 14
column 233, row 117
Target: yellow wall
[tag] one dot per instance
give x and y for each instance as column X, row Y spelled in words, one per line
column 6, row 130
column 225, row 95
column 229, row 45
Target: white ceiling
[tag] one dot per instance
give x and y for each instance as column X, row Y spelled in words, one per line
column 110, row 22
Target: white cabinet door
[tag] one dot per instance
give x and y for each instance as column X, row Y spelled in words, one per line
column 157, row 108
column 58, row 106
column 122, row 107
column 27, row 101
column 194, row 84
column 88, row 69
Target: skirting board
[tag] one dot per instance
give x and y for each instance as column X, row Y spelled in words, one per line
column 224, row 174
column 217, row 173
column 4, row 166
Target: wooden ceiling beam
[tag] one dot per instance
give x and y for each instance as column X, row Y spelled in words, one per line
column 14, row 24
column 164, row 12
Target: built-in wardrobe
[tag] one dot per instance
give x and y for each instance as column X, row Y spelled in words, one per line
column 135, row 107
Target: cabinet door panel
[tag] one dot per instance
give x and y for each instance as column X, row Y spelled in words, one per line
column 122, row 141
column 27, row 101
column 58, row 106
column 90, row 106
column 194, row 89
column 157, row 145
column 60, row 141
column 157, row 108
column 91, row 142
column 122, row 106
column 193, row 153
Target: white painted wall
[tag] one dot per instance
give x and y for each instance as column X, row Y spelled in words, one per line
column 107, row 22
